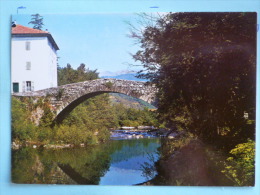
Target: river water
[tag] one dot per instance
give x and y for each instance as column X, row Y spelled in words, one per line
column 127, row 159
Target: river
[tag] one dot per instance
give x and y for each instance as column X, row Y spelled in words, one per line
column 124, row 160
column 129, row 158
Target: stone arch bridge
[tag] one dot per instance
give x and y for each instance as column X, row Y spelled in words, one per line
column 63, row 99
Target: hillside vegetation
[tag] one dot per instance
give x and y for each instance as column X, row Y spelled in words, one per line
column 89, row 123
column 129, row 102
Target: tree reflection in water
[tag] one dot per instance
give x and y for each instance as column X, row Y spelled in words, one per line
column 148, row 168
column 81, row 165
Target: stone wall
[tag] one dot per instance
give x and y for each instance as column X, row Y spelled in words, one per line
column 64, row 99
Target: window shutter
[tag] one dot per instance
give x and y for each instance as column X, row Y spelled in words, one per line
column 28, row 65
column 32, row 86
column 23, row 86
column 27, row 45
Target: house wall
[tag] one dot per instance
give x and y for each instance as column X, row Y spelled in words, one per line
column 43, row 59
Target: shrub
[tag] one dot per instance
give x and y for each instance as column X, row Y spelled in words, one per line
column 240, row 166
column 22, row 128
column 109, row 85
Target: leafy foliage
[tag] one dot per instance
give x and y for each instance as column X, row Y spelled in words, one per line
column 91, row 119
column 240, row 166
column 109, row 85
column 135, row 117
column 37, row 21
column 22, row 127
column 204, row 66
column 47, row 118
column 68, row 75
column 97, row 115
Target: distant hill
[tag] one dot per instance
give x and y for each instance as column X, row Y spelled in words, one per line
column 129, row 76
column 129, row 102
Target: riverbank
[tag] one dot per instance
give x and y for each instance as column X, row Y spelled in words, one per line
column 18, row 145
column 114, row 134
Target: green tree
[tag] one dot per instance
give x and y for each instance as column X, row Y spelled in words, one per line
column 68, row 75
column 37, row 21
column 204, row 66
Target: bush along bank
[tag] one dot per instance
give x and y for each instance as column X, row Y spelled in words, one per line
column 87, row 124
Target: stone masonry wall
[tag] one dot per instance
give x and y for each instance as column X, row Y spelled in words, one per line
column 63, row 96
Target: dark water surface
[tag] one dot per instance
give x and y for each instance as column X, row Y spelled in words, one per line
column 118, row 162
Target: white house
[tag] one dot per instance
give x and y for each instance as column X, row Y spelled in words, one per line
column 33, row 59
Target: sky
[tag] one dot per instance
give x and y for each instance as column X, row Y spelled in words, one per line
column 98, row 40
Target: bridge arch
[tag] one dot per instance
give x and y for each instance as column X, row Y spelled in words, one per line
column 65, row 98
column 65, row 111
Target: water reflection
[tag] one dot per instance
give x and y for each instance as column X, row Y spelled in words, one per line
column 119, row 162
column 127, row 164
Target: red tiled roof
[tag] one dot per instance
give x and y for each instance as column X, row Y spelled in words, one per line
column 23, row 31
column 19, row 29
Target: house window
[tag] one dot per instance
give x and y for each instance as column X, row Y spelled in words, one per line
column 28, row 86
column 27, row 45
column 15, row 87
column 28, row 65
